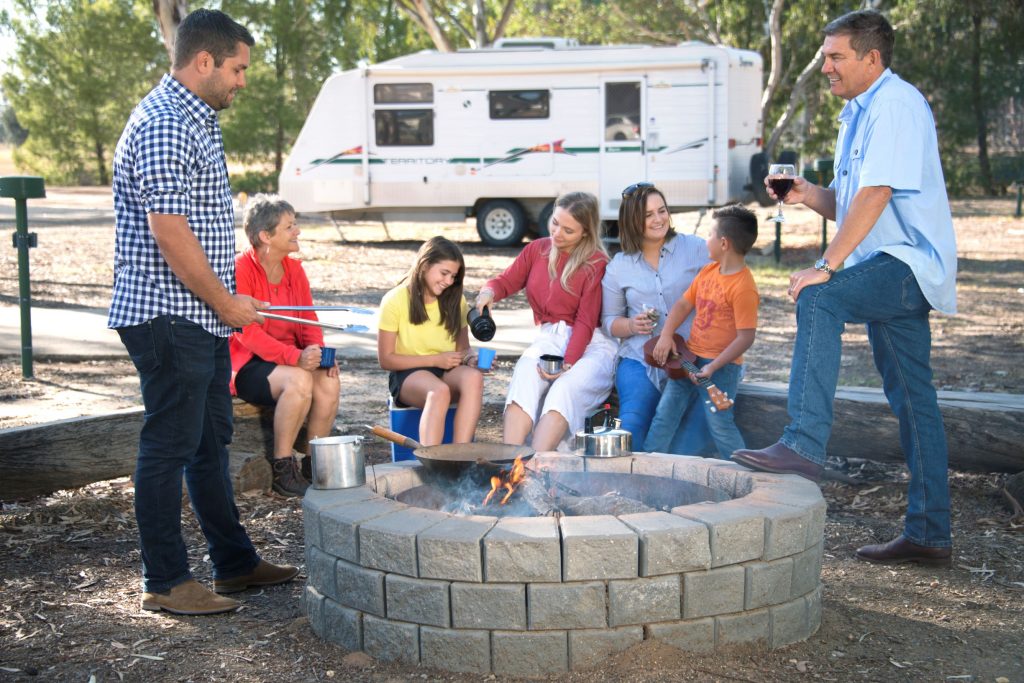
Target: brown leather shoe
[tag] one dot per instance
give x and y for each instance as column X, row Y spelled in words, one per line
column 779, row 459
column 190, row 598
column 900, row 551
column 265, row 574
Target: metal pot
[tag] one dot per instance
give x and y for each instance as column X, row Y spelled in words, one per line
column 608, row 440
column 605, row 442
column 338, row 462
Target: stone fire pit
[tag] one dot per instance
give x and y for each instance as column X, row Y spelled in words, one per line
column 536, row 595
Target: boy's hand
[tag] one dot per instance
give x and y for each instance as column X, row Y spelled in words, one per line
column 705, row 373
column 662, row 349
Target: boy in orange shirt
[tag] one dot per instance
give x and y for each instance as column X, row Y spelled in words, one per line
column 726, row 299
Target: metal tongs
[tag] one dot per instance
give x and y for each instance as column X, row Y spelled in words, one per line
column 317, row 323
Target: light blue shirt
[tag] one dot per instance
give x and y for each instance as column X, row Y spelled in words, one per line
column 630, row 282
column 887, row 138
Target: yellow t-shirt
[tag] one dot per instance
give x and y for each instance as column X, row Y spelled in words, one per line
column 425, row 339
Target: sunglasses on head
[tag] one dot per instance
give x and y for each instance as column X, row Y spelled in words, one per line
column 634, row 187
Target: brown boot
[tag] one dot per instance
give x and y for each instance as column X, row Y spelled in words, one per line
column 265, row 574
column 190, row 598
column 307, row 466
column 288, row 480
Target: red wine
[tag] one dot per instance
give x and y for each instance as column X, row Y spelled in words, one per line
column 781, row 186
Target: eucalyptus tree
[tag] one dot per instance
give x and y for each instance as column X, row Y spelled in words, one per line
column 79, row 68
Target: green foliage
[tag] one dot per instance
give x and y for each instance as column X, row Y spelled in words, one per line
column 80, row 68
column 252, row 181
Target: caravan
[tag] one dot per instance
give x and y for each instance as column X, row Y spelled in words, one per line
column 497, row 134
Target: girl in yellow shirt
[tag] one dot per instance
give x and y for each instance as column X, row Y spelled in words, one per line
column 423, row 342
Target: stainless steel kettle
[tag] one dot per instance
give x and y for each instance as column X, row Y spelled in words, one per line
column 608, row 440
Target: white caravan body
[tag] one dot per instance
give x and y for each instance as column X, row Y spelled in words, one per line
column 499, row 133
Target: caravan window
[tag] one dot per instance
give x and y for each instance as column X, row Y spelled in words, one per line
column 519, row 104
column 404, row 127
column 622, row 111
column 403, row 93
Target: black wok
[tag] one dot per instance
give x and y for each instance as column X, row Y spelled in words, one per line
column 453, row 459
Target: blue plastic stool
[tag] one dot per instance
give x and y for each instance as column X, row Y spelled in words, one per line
column 406, row 421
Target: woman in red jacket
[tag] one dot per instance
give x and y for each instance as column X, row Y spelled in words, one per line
column 278, row 363
column 562, row 278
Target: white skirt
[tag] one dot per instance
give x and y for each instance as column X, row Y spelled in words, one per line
column 576, row 393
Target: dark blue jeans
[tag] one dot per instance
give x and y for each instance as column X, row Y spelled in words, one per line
column 184, row 372
column 882, row 293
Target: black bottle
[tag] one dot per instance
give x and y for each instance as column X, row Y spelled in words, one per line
column 481, row 324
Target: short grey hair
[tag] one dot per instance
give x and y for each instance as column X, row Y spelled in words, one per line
column 263, row 212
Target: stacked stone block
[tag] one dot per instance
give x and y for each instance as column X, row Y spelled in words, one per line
column 535, row 596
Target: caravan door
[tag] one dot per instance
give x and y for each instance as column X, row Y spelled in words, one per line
column 623, row 158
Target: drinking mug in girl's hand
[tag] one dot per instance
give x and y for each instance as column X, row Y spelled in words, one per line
column 326, row 357
column 485, row 358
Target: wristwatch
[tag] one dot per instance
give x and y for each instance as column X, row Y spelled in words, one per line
column 822, row 265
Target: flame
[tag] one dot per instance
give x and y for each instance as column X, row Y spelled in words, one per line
column 509, row 481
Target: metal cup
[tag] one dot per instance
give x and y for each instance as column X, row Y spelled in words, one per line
column 551, row 363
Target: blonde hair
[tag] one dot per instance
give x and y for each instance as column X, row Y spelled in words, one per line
column 584, row 209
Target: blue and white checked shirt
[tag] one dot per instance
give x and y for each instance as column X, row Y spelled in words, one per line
column 170, row 160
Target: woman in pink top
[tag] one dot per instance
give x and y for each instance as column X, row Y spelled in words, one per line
column 562, row 277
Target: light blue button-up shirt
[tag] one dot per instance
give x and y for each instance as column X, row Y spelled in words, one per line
column 887, row 138
column 630, row 283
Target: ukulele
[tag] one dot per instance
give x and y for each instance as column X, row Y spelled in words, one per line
column 681, row 365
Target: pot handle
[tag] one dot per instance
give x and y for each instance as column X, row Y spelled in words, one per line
column 395, row 437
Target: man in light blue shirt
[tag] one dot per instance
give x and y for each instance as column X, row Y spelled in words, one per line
column 897, row 243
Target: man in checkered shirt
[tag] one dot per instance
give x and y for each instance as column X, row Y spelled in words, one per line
column 174, row 306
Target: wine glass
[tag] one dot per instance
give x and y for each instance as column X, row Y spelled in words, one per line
column 780, row 179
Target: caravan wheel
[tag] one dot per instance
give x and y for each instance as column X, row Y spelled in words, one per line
column 501, row 223
column 544, row 218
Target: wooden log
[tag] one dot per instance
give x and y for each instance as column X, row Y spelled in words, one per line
column 43, row 458
column 983, row 430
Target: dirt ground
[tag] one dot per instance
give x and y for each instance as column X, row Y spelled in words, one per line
column 69, row 564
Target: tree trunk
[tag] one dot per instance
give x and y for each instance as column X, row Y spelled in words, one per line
column 169, row 14
column 984, row 168
column 101, row 164
column 794, row 100
column 423, row 15
column 775, row 73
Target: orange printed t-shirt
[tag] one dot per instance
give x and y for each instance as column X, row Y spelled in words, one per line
column 724, row 304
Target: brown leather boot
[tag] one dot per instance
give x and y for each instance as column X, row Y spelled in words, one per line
column 189, row 597
column 288, row 480
column 265, row 574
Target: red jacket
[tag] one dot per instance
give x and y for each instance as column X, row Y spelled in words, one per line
column 275, row 341
column 551, row 303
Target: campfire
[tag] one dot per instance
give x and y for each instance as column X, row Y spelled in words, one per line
column 507, row 480
column 517, row 491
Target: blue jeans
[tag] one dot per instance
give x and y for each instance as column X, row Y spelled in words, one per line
column 681, row 397
column 184, row 372
column 638, row 401
column 883, row 293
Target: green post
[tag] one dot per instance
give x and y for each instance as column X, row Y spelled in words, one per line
column 1020, row 196
column 21, row 189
